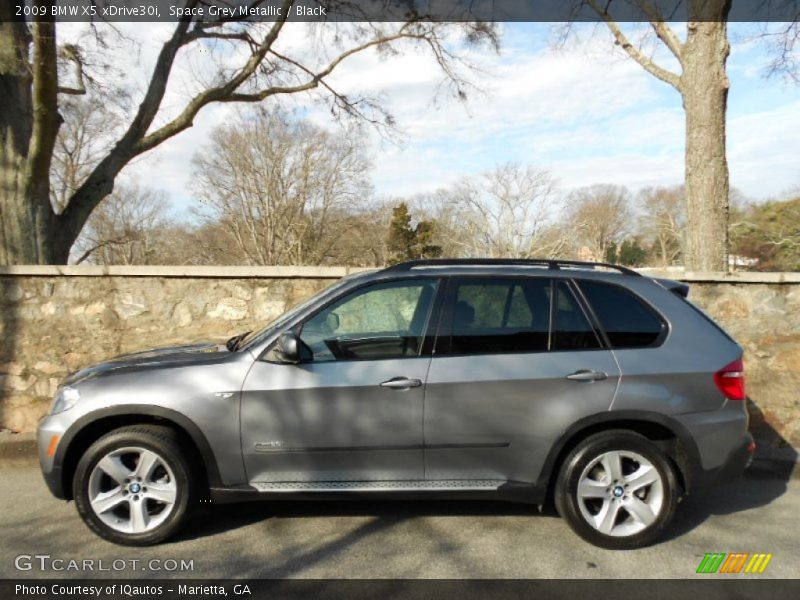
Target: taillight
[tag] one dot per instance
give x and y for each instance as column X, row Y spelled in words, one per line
column 730, row 380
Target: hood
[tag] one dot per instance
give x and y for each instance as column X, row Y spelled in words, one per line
column 171, row 356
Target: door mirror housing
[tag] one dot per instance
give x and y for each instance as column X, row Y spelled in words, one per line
column 332, row 321
column 287, row 350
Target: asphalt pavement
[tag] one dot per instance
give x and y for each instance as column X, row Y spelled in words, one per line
column 360, row 539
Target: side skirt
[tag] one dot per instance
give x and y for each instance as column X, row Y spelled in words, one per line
column 507, row 491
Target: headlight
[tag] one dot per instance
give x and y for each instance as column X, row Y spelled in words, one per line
column 65, row 398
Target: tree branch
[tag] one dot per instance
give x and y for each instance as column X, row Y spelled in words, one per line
column 621, row 39
column 663, row 31
column 99, row 245
column 227, row 93
column 216, row 94
column 100, row 182
column 72, row 54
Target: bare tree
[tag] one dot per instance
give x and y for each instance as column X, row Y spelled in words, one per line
column 783, row 42
column 506, row 212
column 599, row 216
column 33, row 82
column 283, row 189
column 361, row 246
column 83, row 139
column 130, row 227
column 703, row 85
column 663, row 221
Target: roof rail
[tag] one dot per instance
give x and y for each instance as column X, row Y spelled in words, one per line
column 555, row 264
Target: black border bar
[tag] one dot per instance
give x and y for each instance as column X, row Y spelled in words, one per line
column 709, row 587
column 545, row 11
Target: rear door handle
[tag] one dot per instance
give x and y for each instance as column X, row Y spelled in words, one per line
column 587, row 375
column 401, row 383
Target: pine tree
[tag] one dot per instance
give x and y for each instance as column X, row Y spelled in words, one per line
column 409, row 243
column 632, row 253
column 402, row 236
column 424, row 246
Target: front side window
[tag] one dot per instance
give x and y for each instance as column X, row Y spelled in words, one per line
column 495, row 316
column 627, row 320
column 385, row 320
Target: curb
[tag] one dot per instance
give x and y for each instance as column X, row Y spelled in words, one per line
column 17, row 448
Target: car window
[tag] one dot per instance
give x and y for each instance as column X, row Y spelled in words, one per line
column 256, row 337
column 493, row 316
column 572, row 330
column 385, row 320
column 627, row 320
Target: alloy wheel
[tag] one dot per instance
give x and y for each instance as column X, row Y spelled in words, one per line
column 620, row 493
column 132, row 490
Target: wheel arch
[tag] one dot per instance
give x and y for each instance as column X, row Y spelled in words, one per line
column 670, row 435
column 88, row 429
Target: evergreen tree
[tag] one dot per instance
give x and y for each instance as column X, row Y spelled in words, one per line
column 424, row 246
column 407, row 242
column 401, row 235
column 611, row 253
column 632, row 253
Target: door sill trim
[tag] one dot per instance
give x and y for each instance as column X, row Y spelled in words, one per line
column 379, row 486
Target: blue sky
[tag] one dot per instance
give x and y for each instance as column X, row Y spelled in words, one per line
column 585, row 112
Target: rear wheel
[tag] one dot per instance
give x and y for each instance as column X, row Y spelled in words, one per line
column 133, row 485
column 617, row 490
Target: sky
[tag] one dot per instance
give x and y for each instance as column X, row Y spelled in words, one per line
column 584, row 112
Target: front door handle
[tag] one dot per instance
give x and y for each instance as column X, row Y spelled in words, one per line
column 401, row 383
column 587, row 375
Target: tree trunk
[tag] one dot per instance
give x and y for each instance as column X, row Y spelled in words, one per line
column 28, row 125
column 705, row 96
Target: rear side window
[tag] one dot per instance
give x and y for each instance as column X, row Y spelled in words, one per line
column 496, row 316
column 573, row 331
column 627, row 321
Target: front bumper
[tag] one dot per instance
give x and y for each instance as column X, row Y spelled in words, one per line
column 732, row 469
column 49, row 428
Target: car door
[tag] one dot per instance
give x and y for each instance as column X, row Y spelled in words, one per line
column 352, row 409
column 517, row 361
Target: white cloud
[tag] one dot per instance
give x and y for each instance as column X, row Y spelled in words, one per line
column 763, row 150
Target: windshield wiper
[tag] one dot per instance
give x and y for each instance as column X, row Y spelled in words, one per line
column 233, row 344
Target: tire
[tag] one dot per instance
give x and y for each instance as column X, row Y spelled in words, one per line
column 134, row 485
column 631, row 513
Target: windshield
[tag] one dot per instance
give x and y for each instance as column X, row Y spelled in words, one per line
column 254, row 337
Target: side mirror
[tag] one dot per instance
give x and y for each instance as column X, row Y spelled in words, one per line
column 332, row 321
column 287, row 349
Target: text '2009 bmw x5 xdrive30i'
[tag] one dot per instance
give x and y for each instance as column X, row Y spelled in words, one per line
column 461, row 378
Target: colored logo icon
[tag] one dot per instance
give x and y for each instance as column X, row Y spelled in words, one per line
column 735, row 562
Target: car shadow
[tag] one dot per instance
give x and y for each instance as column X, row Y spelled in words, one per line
column 210, row 520
column 764, row 481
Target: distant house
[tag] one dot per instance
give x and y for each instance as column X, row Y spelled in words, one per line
column 585, row 254
column 741, row 262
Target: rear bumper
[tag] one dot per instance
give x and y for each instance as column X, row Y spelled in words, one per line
column 734, row 466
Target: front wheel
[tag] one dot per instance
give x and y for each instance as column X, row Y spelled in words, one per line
column 133, row 485
column 617, row 490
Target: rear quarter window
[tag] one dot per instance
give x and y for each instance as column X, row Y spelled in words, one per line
column 627, row 321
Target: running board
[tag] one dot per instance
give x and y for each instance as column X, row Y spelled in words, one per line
column 441, row 485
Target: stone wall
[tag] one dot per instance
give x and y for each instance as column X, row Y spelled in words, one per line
column 54, row 320
column 765, row 319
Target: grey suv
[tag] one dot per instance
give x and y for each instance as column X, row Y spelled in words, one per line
column 522, row 380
